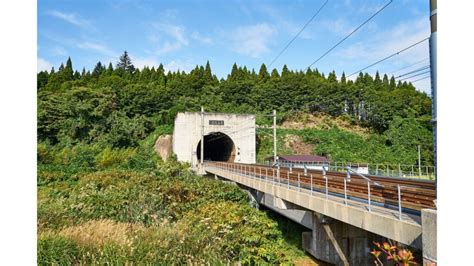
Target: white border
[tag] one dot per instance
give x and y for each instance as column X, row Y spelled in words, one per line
column 18, row 133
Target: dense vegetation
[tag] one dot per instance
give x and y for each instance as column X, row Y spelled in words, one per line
column 100, row 206
column 105, row 197
column 346, row 146
column 122, row 105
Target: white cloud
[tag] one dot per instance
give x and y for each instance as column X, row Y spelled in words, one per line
column 168, row 47
column 175, row 32
column 203, row 39
column 180, row 65
column 102, row 49
column 58, row 51
column 141, row 62
column 387, row 42
column 338, row 26
column 252, row 40
column 70, row 18
column 43, row 64
column 282, row 21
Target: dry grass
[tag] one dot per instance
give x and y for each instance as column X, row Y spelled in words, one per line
column 97, row 233
column 297, row 145
column 323, row 121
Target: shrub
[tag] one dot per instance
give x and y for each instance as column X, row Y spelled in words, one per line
column 114, row 157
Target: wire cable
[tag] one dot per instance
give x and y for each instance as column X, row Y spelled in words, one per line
column 356, row 29
column 420, row 79
column 390, row 56
column 296, row 36
column 415, row 75
column 414, row 71
column 405, row 67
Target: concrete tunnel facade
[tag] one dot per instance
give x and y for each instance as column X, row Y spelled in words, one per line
column 227, row 137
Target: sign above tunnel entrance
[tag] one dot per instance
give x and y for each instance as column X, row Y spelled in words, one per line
column 216, row 122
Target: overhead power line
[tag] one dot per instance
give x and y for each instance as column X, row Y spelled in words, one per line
column 390, row 56
column 356, row 29
column 415, row 75
column 414, row 71
column 296, row 36
column 420, row 79
column 405, row 67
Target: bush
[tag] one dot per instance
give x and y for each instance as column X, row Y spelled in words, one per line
column 114, row 157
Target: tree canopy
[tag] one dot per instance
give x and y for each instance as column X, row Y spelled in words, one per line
column 123, row 104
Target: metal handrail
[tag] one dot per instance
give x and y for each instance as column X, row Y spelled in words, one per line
column 349, row 169
column 241, row 169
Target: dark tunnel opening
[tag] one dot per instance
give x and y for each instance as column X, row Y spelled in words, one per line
column 217, row 147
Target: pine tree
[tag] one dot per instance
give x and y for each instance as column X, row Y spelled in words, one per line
column 275, row 74
column 208, row 71
column 234, row 73
column 98, row 69
column 77, row 75
column 125, row 63
column 332, row 76
column 285, row 72
column 110, row 69
column 68, row 71
column 392, row 82
column 343, row 78
column 385, row 80
column 263, row 73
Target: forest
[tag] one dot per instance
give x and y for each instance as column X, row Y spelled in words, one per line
column 120, row 105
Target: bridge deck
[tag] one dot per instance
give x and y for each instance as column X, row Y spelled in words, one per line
column 380, row 218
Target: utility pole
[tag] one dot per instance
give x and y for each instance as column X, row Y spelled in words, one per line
column 433, row 68
column 274, row 136
column 419, row 160
column 202, row 136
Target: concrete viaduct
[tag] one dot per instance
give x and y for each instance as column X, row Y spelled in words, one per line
column 342, row 223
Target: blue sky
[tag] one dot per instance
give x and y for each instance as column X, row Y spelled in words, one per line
column 182, row 34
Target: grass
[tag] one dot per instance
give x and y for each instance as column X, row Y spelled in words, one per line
column 337, row 144
column 128, row 207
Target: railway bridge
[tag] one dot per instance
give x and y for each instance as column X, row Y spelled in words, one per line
column 344, row 211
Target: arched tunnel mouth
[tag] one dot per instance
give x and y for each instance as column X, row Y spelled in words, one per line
column 217, row 147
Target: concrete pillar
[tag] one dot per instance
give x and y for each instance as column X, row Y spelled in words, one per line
column 429, row 236
column 338, row 243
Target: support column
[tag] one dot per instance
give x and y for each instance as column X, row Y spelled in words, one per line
column 338, row 243
column 429, row 236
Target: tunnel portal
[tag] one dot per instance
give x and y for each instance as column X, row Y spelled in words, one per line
column 227, row 137
column 217, row 147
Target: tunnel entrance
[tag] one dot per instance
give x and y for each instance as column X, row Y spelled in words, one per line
column 217, row 147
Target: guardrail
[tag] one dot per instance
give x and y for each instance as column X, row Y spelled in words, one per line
column 379, row 169
column 387, row 195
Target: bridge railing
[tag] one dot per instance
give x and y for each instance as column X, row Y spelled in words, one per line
column 362, row 189
column 378, row 169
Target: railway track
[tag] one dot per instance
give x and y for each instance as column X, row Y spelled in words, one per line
column 414, row 194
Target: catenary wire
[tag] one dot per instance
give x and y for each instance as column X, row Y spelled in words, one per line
column 356, row 29
column 413, row 71
column 420, row 79
column 388, row 57
column 405, row 67
column 419, row 74
column 296, row 36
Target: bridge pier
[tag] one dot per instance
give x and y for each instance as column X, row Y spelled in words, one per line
column 338, row 243
column 429, row 236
